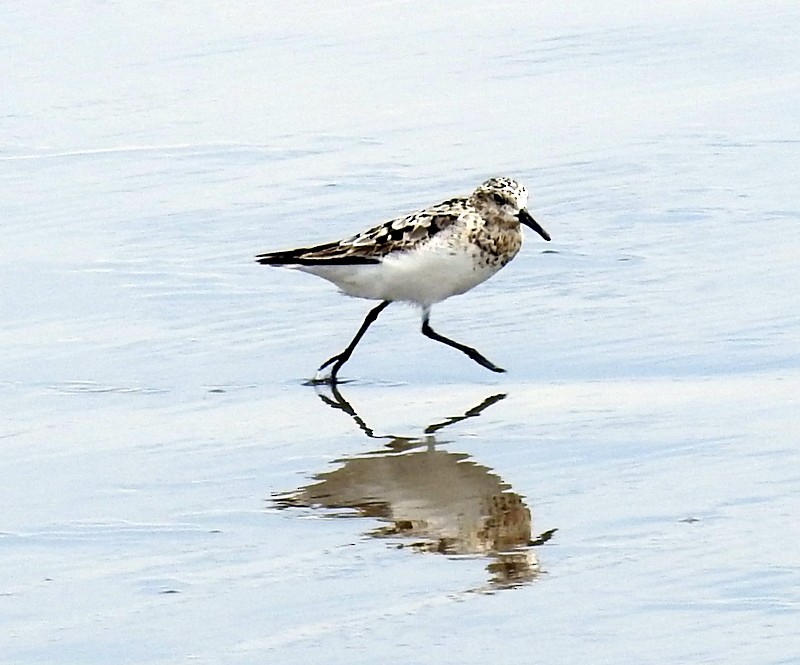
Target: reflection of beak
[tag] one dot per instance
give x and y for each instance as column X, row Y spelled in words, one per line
column 525, row 218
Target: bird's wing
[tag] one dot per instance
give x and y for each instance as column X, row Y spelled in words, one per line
column 401, row 233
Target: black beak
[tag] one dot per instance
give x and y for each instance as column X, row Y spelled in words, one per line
column 525, row 218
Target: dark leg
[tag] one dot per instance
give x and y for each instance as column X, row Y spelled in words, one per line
column 340, row 359
column 472, row 353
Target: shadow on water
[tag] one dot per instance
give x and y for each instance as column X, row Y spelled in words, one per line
column 432, row 499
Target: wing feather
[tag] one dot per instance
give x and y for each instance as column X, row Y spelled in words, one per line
column 371, row 246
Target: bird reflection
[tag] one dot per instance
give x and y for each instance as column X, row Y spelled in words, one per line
column 434, row 500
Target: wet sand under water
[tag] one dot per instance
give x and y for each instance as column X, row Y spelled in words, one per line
column 172, row 492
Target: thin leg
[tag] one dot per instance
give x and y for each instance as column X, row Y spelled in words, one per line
column 472, row 353
column 338, row 360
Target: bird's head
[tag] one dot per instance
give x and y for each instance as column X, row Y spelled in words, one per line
column 507, row 200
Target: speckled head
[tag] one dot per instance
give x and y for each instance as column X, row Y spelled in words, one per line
column 505, row 199
column 502, row 196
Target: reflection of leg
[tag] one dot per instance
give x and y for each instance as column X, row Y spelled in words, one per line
column 338, row 360
column 468, row 350
column 472, row 413
column 339, row 402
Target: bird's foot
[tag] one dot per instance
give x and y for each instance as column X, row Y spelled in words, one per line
column 483, row 361
column 328, row 379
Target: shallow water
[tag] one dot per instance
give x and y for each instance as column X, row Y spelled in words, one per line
column 173, row 492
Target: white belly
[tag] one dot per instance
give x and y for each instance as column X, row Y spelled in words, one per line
column 425, row 276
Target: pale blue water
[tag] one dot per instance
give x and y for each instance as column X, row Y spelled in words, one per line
column 151, row 374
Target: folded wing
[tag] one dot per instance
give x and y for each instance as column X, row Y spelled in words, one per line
column 400, row 234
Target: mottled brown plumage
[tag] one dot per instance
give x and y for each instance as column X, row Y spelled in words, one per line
column 398, row 234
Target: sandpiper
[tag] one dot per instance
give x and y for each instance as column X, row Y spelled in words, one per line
column 422, row 258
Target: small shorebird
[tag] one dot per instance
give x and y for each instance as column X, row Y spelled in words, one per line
column 422, row 258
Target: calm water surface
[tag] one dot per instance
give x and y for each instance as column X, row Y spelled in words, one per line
column 172, row 492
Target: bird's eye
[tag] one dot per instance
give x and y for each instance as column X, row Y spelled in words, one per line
column 499, row 200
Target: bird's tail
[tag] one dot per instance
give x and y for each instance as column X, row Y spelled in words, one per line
column 284, row 258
